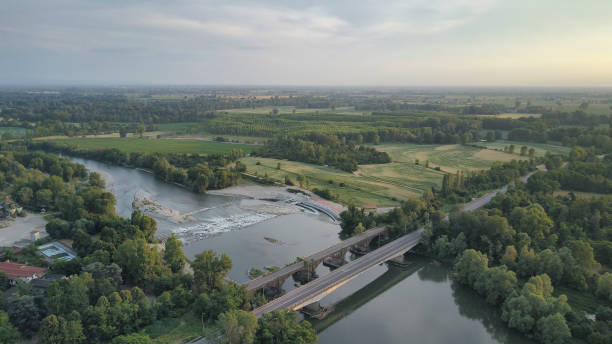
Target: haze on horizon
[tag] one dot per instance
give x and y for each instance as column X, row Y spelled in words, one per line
column 342, row 42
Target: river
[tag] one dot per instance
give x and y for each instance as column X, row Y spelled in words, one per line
column 417, row 304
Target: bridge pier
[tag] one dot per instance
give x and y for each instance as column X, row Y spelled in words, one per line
column 316, row 311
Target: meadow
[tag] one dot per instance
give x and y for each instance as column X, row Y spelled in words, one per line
column 385, row 184
column 540, row 148
column 145, row 145
column 15, row 131
column 450, row 158
column 360, row 190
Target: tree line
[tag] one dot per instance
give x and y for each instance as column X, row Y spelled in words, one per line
column 121, row 283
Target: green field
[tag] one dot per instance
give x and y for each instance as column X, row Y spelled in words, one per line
column 384, row 184
column 540, row 148
column 174, row 127
column 178, row 330
column 348, row 110
column 450, row 158
column 15, row 131
column 361, row 190
column 130, row 145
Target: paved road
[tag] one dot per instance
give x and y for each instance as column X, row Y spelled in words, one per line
column 315, row 288
column 288, row 270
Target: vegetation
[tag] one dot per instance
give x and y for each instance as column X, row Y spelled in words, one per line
column 137, row 145
column 120, row 283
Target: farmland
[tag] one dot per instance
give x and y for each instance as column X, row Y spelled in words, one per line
column 540, row 148
column 384, row 184
column 450, row 158
column 130, row 145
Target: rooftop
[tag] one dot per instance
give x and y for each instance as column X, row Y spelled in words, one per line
column 15, row 271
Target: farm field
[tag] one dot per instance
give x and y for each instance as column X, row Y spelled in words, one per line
column 130, row 145
column 349, row 110
column 15, row 131
column 384, row 184
column 515, row 115
column 450, row 158
column 540, row 148
column 361, row 190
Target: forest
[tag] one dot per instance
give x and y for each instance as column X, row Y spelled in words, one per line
column 120, row 283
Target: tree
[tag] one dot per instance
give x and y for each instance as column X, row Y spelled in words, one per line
column 553, row 329
column 173, row 254
column 209, row 269
column 604, row 286
column 145, row 223
column 284, row 327
column 583, row 253
column 236, row 327
column 470, row 266
column 8, row 333
column 67, row 295
column 24, row 314
column 550, row 264
column 138, row 261
column 509, row 257
column 82, row 243
column 57, row 330
column 4, row 281
column 497, row 284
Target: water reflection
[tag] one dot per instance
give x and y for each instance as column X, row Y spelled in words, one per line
column 401, row 306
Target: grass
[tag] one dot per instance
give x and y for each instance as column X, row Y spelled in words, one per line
column 361, row 190
column 579, row 194
column 349, row 110
column 385, row 184
column 540, row 148
column 177, row 330
column 450, row 158
column 582, row 301
column 130, row 145
column 16, row 131
column 174, row 127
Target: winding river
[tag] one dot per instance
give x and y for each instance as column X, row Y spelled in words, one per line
column 414, row 304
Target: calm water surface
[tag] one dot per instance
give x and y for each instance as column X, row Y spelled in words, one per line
column 418, row 304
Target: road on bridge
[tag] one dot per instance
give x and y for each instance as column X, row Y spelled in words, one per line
column 299, row 297
column 290, row 269
column 296, row 298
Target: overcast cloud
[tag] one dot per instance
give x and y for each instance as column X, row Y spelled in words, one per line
column 409, row 42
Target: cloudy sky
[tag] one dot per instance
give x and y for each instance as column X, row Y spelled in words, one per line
column 307, row 42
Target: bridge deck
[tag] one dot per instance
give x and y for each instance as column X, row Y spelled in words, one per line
column 261, row 282
column 297, row 298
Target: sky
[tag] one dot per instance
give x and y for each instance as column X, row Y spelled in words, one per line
column 553, row 43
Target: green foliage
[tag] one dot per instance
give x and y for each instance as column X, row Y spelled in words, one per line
column 57, row 330
column 24, row 314
column 284, row 327
column 8, row 333
column 139, row 262
column 322, row 149
column 209, row 269
column 236, row 326
column 470, row 267
column 134, row 338
column 173, row 254
column 67, row 295
column 604, row 286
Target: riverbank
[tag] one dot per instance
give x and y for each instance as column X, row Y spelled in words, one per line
column 273, row 192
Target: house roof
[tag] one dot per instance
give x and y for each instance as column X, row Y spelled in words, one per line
column 15, row 271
